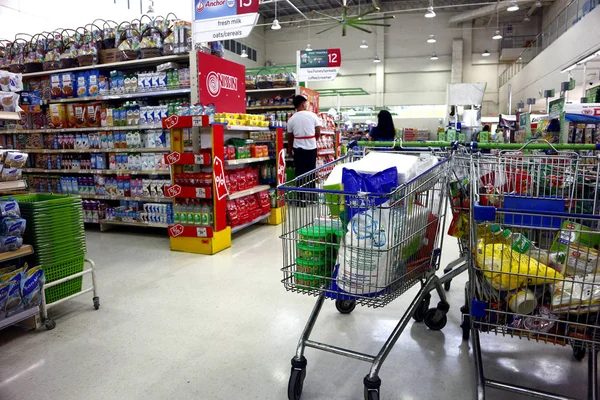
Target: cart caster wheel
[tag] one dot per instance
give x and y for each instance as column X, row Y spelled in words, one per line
column 345, row 306
column 49, row 324
column 435, row 319
column 96, row 302
column 466, row 327
column 578, row 352
column 297, row 376
column 447, row 286
column 372, row 388
column 419, row 314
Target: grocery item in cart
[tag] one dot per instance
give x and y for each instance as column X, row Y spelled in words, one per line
column 505, row 269
column 582, row 294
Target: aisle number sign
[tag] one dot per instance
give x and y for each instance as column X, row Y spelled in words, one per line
column 318, row 65
column 216, row 20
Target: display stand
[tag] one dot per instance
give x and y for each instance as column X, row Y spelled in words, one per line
column 216, row 236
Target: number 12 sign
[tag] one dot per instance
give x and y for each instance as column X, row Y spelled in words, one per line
column 318, row 65
column 216, row 20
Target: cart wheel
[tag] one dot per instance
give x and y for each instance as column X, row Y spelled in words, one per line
column 295, row 384
column 435, row 319
column 466, row 327
column 578, row 351
column 49, row 324
column 96, row 302
column 372, row 394
column 447, row 286
column 419, row 314
column 345, row 306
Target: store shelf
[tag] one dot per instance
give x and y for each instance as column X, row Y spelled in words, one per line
column 327, row 133
column 286, row 89
column 96, row 171
column 246, row 128
column 123, row 96
column 247, row 224
column 325, row 152
column 248, row 192
column 144, row 199
column 242, row 161
column 120, row 64
column 25, row 250
column 10, row 116
column 12, row 186
column 23, row 315
column 79, row 130
column 120, row 150
column 267, row 108
column 142, row 224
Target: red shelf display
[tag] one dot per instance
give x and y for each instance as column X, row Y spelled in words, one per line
column 188, row 192
column 192, row 231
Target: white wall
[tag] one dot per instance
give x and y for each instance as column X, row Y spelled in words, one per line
column 543, row 72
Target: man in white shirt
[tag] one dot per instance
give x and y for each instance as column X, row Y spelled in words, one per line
column 304, row 129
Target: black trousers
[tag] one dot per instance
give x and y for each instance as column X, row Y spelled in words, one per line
column 305, row 161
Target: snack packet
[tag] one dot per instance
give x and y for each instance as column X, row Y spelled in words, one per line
column 10, row 174
column 15, row 159
column 10, row 243
column 12, row 226
column 9, row 207
column 13, row 299
column 31, row 287
column 4, row 288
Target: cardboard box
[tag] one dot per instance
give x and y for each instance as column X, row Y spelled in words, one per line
column 107, row 56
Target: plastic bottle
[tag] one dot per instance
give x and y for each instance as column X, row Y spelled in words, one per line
column 520, row 244
column 197, row 214
column 176, row 217
column 205, row 210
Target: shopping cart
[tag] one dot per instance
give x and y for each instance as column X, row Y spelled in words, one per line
column 362, row 248
column 534, row 236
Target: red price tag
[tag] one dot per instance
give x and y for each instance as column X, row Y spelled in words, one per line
column 281, row 167
column 173, row 157
column 171, row 121
column 173, row 191
column 175, row 230
column 334, row 58
column 219, row 177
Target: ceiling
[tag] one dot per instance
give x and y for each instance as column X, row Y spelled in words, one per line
column 293, row 8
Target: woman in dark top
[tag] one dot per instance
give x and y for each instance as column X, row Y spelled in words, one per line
column 385, row 130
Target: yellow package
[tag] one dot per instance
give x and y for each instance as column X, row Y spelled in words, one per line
column 506, row 269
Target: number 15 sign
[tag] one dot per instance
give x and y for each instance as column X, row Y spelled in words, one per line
column 216, row 20
column 318, row 65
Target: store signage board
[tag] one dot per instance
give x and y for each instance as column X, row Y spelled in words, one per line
column 318, row 65
column 312, row 96
column 556, row 108
column 222, row 83
column 216, row 20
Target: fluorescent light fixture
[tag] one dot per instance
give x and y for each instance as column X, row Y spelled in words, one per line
column 568, row 68
column 275, row 26
column 431, row 39
column 513, row 6
column 244, row 54
column 376, row 59
column 430, row 13
column 364, row 45
column 308, row 48
column 486, row 53
column 497, row 36
column 527, row 19
column 588, row 58
column 434, row 56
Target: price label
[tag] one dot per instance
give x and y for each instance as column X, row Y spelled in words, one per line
column 201, row 193
column 219, row 178
column 201, row 232
column 173, row 157
column 197, row 121
column 176, row 230
column 171, row 121
column 199, row 159
column 173, row 191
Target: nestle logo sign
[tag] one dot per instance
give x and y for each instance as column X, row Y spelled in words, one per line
column 215, row 82
column 587, row 111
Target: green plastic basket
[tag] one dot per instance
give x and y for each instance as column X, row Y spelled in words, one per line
column 60, row 270
column 37, row 200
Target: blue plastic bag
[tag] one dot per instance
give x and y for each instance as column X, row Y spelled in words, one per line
column 385, row 181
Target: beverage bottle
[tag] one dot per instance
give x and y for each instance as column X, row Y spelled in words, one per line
column 176, row 219
column 197, row 214
column 520, row 244
column 205, row 210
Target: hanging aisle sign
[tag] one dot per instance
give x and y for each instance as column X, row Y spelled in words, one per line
column 216, row 20
column 318, row 65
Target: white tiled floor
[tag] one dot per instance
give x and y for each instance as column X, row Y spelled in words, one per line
column 183, row 326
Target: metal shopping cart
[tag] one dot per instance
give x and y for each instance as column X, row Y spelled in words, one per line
column 362, row 248
column 534, row 272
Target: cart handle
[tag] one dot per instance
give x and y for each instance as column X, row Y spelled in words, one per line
column 531, row 145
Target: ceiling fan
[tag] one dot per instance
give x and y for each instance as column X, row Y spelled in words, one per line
column 356, row 22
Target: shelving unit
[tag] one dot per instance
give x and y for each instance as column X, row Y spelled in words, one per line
column 216, row 237
column 124, row 223
column 109, row 101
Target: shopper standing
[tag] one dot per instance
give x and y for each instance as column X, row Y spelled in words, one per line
column 385, row 130
column 304, row 129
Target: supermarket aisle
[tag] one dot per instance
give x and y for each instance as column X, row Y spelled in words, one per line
column 183, row 326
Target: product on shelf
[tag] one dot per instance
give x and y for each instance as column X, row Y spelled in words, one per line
column 12, row 164
column 415, row 135
column 241, row 179
column 233, row 119
column 193, row 212
column 246, row 209
column 268, row 102
column 12, row 226
column 144, row 213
